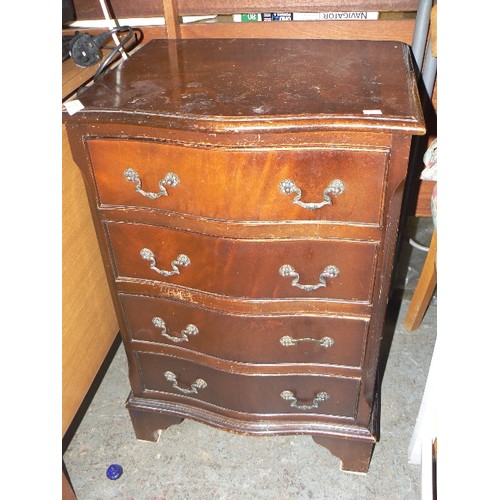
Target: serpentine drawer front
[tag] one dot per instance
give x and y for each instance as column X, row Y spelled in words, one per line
column 247, row 222
column 336, row 269
column 247, row 393
column 312, row 338
column 243, row 184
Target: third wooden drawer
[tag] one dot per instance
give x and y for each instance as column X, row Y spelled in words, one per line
column 300, row 338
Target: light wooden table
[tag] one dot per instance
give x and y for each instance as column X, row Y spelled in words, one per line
column 89, row 324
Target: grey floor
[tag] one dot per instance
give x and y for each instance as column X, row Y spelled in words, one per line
column 195, row 461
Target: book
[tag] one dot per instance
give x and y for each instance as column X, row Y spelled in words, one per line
column 247, row 18
column 277, row 16
column 335, row 16
column 196, row 19
column 291, row 16
column 307, row 16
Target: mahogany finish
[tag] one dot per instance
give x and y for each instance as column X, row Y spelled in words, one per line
column 250, row 393
column 244, row 268
column 340, row 80
column 239, row 171
column 221, row 334
column 215, row 328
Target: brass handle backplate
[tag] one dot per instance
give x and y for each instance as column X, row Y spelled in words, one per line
column 170, row 180
column 182, row 337
column 289, row 341
column 319, row 398
column 287, row 271
column 195, row 386
column 182, row 260
column 336, row 187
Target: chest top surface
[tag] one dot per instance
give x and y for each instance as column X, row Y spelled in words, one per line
column 237, row 83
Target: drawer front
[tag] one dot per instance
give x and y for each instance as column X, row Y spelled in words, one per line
column 247, row 339
column 334, row 269
column 242, row 184
column 256, row 393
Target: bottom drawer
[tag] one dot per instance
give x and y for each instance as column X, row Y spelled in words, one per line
column 246, row 392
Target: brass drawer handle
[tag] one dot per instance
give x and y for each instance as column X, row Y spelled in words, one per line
column 182, row 260
column 336, row 187
column 320, row 397
column 287, row 271
column 183, row 337
column 170, row 180
column 289, row 341
column 195, row 386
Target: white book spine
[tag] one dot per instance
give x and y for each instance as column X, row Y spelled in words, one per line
column 335, row 16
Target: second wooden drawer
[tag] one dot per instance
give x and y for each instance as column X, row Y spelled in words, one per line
column 333, row 269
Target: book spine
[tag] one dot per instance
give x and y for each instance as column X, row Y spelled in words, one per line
column 247, row 18
column 277, row 16
column 307, row 16
column 195, row 19
column 335, row 16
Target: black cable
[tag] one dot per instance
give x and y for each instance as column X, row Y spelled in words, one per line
column 122, row 44
column 85, row 50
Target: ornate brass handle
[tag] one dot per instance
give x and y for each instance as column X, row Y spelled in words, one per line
column 170, row 180
column 336, row 187
column 195, row 386
column 320, row 397
column 289, row 341
column 182, row 260
column 189, row 330
column 287, row 271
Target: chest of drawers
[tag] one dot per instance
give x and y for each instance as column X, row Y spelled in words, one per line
column 246, row 197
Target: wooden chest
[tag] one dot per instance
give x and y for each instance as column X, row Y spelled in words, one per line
column 246, row 197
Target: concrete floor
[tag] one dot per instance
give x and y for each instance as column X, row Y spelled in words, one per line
column 195, row 461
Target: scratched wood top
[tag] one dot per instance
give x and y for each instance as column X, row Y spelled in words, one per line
column 270, row 84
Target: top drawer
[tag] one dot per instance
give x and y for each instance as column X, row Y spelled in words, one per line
column 242, row 184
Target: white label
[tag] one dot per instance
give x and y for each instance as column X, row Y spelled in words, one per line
column 372, row 111
column 73, row 106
